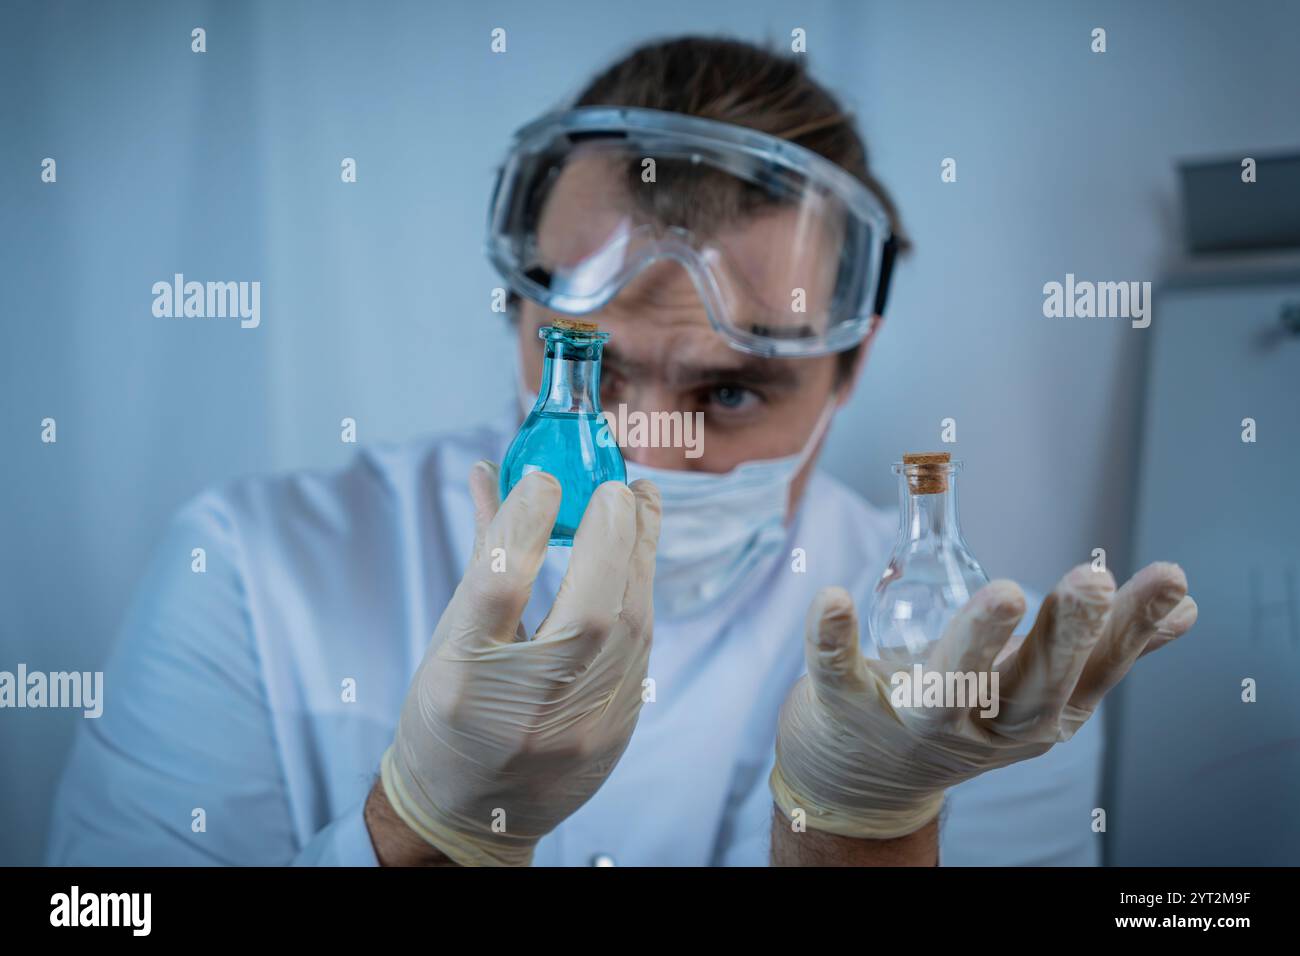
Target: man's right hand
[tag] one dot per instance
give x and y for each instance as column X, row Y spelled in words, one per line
column 501, row 737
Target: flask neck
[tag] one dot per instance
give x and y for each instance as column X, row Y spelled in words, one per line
column 928, row 515
column 570, row 374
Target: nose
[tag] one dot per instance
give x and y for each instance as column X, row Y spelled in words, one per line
column 669, row 459
column 638, row 414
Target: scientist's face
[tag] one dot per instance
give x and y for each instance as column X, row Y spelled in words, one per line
column 664, row 356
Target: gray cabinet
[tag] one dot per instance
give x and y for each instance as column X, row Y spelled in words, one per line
column 1196, row 776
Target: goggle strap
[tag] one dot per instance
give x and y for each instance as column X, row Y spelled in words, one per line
column 887, row 254
column 583, row 136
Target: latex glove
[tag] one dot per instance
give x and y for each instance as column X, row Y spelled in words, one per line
column 501, row 738
column 860, row 767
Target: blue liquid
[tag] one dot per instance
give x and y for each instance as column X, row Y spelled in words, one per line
column 568, row 446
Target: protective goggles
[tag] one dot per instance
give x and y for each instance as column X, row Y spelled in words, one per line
column 789, row 253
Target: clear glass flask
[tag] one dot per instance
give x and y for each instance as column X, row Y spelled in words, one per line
column 932, row 571
column 564, row 435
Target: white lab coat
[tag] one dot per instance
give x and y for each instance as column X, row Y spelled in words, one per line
column 230, row 735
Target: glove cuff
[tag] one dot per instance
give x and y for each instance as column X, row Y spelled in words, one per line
column 465, row 848
column 857, row 822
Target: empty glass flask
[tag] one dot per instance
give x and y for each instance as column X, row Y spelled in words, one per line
column 932, row 571
column 565, row 435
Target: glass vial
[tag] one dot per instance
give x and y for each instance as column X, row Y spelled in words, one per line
column 932, row 571
column 565, row 435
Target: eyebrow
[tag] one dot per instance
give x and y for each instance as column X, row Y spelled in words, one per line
column 750, row 370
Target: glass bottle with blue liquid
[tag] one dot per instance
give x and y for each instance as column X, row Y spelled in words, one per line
column 565, row 434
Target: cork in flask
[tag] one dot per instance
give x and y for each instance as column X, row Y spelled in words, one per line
column 927, row 472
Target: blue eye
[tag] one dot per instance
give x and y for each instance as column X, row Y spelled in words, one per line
column 731, row 396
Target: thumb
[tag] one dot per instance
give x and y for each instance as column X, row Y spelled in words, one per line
column 499, row 580
column 831, row 641
column 484, row 489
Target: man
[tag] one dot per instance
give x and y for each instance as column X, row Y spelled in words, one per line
column 641, row 699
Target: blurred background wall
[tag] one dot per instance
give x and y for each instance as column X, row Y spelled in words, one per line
column 375, row 305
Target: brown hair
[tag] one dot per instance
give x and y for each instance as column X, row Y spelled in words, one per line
column 736, row 82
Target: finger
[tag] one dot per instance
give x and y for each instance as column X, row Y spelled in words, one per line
column 591, row 596
column 638, row 597
column 1175, row 624
column 831, row 648
column 500, row 578
column 1139, row 607
column 485, row 490
column 979, row 631
column 634, row 635
column 1039, row 677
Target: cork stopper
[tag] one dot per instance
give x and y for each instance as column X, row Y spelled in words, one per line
column 574, row 325
column 927, row 472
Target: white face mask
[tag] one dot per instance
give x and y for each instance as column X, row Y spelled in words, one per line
column 719, row 530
